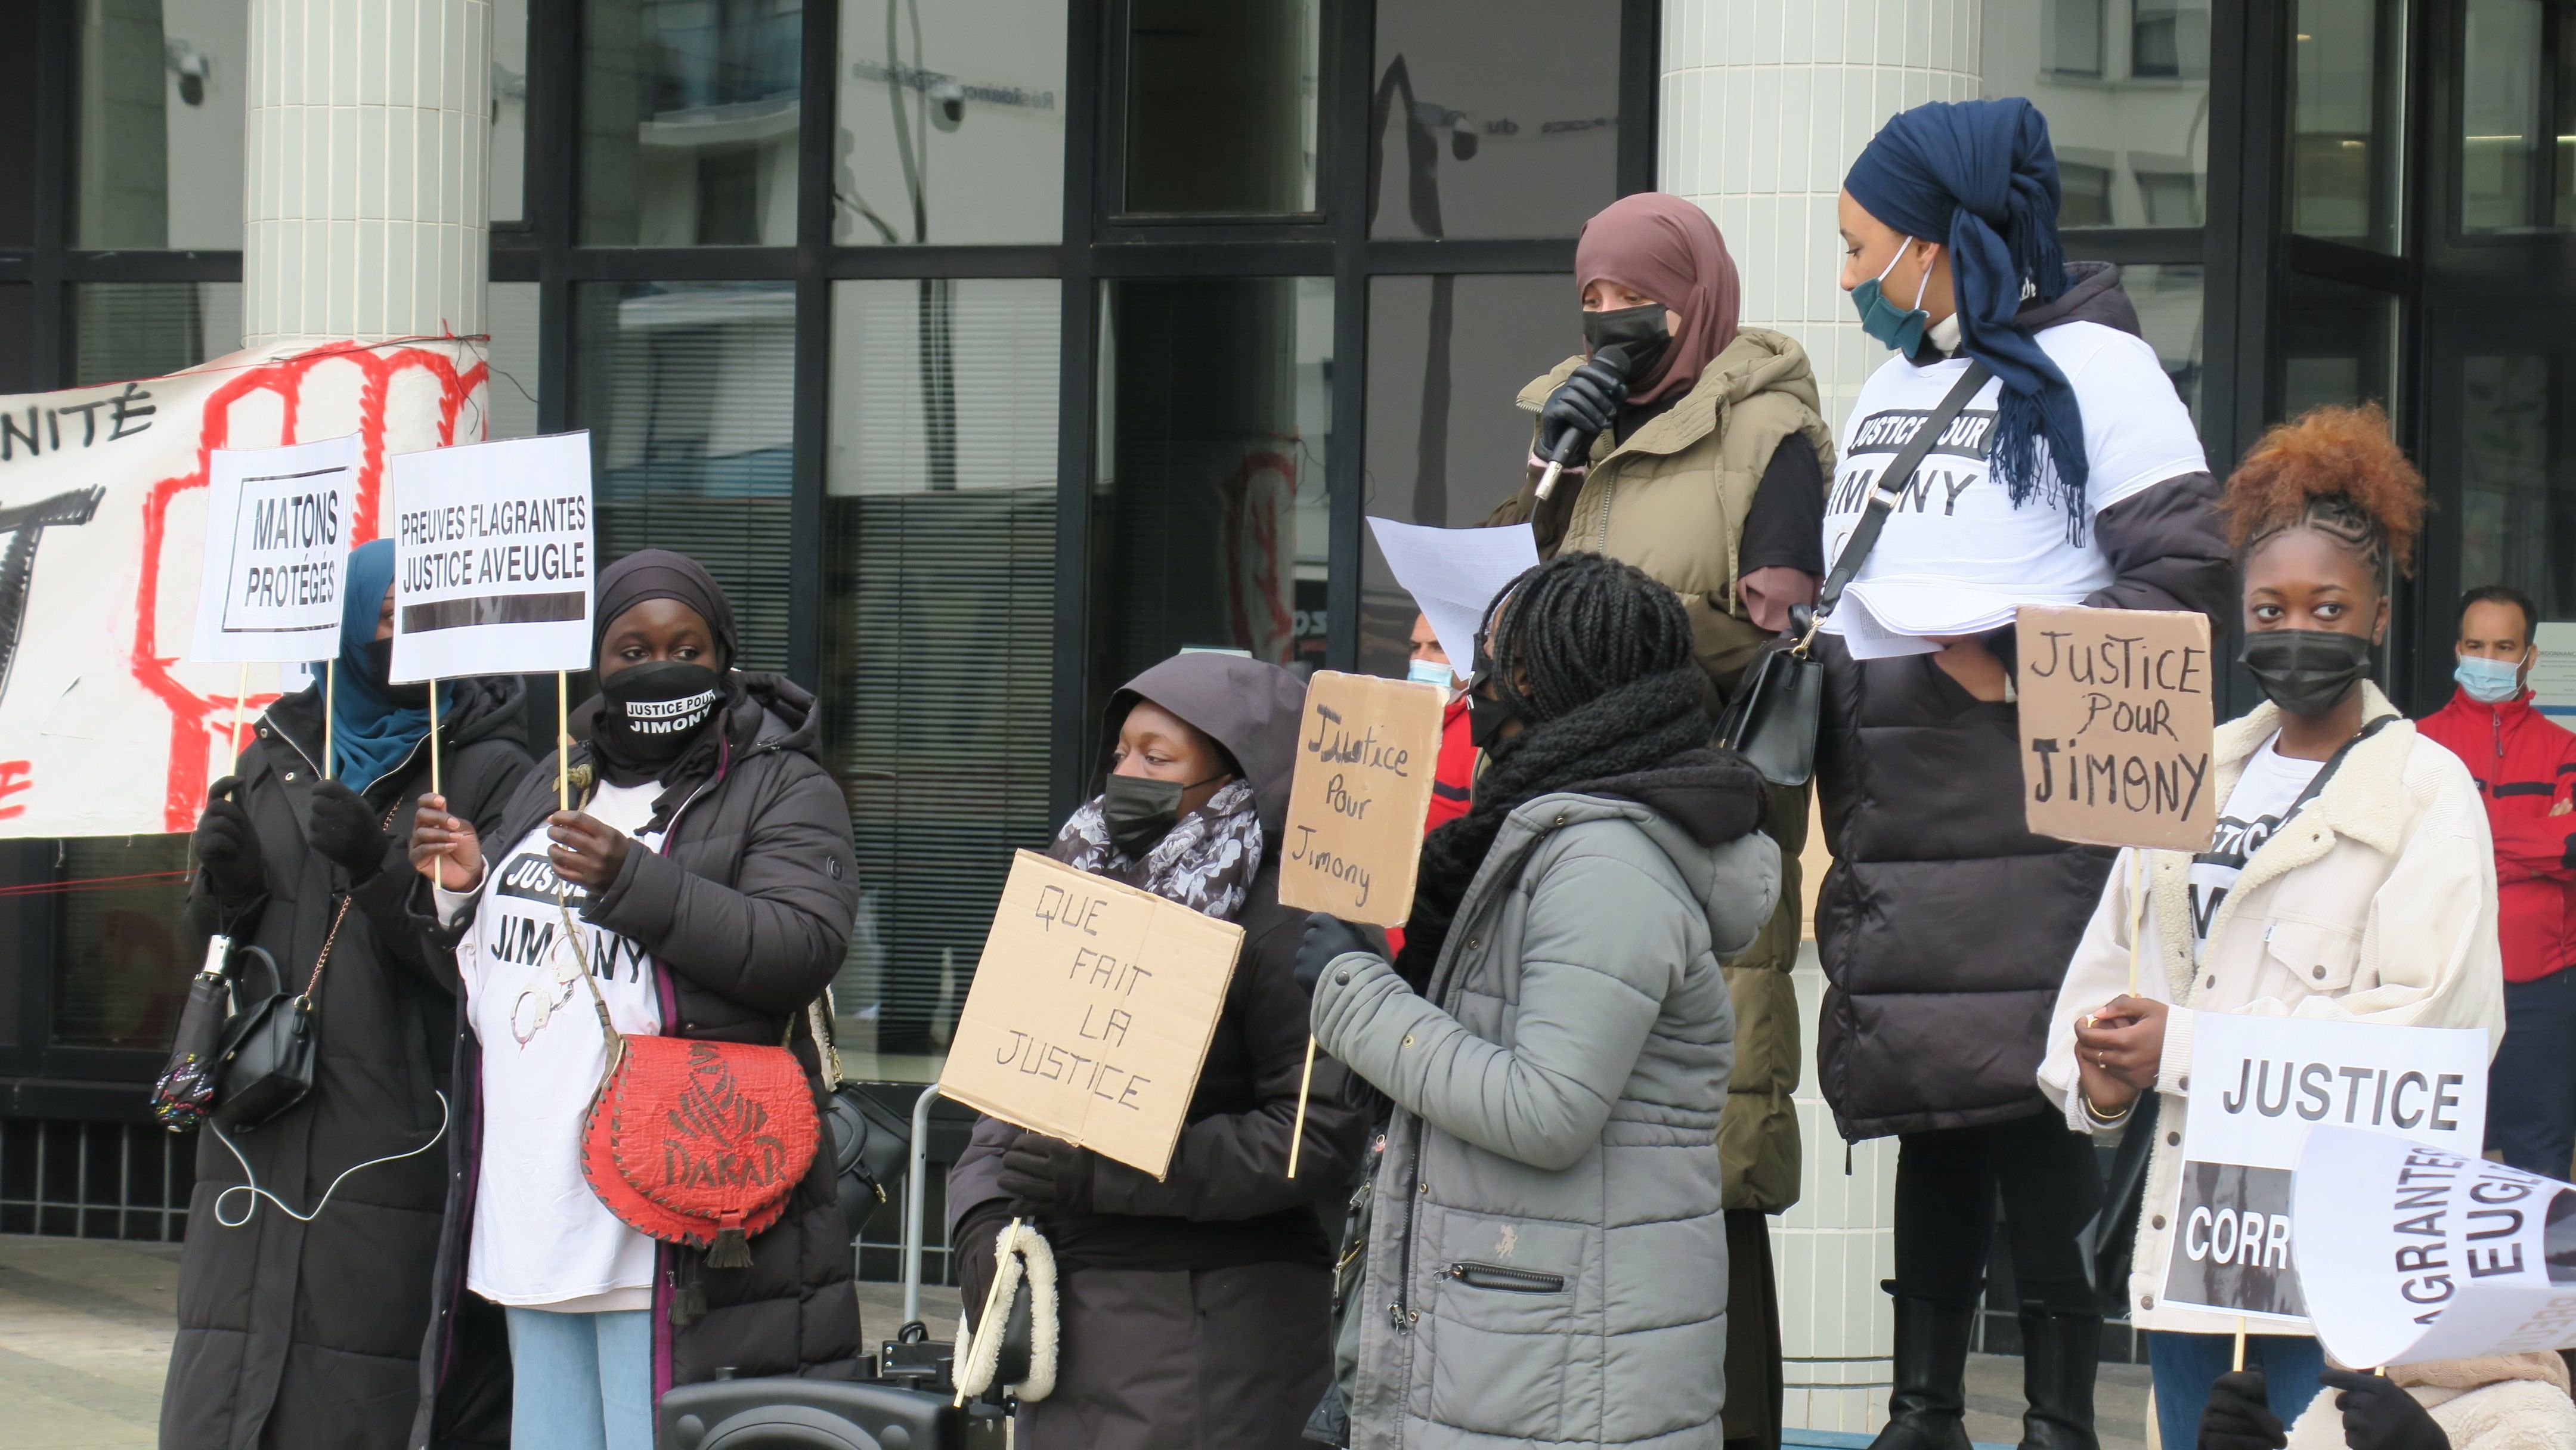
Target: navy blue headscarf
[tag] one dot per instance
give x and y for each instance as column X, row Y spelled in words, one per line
column 373, row 724
column 1981, row 177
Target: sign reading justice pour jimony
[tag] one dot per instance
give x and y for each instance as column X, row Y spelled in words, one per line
column 2117, row 712
column 1366, row 749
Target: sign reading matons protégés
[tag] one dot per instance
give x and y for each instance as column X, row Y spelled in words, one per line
column 277, row 544
column 1365, row 753
column 2116, row 714
column 1091, row 1012
column 493, row 560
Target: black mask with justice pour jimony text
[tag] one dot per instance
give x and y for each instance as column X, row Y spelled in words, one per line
column 654, row 711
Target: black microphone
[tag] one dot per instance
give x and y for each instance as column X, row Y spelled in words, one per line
column 1613, row 356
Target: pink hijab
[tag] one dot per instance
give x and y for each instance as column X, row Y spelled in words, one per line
column 1666, row 248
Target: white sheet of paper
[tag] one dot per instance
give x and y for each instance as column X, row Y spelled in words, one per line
column 277, row 549
column 1454, row 574
column 2553, row 675
column 494, row 566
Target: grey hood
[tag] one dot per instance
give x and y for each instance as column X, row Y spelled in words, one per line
column 1249, row 707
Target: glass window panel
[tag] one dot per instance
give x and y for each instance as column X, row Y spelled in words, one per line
column 2517, row 118
column 1446, row 441
column 511, row 314
column 145, row 329
column 2338, row 345
column 18, row 72
column 17, row 338
column 2169, row 298
column 1493, row 118
column 952, row 122
column 509, row 167
column 1209, row 503
column 2518, row 479
column 1221, row 106
column 121, row 952
column 689, row 122
column 158, row 135
column 687, row 388
column 2125, row 87
column 938, row 634
column 2347, row 121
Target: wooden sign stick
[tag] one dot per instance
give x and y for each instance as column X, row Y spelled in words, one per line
column 330, row 699
column 563, row 740
column 433, row 740
column 2239, row 1362
column 2137, row 921
column 241, row 702
column 1305, row 1080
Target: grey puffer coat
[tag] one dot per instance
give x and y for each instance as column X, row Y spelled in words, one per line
column 1544, row 1261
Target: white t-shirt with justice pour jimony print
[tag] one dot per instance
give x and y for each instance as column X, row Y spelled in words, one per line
column 1957, row 557
column 542, row 1239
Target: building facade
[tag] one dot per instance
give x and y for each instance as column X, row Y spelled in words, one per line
column 989, row 350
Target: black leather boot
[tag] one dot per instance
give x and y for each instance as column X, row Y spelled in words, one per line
column 1930, row 1397
column 2059, row 1353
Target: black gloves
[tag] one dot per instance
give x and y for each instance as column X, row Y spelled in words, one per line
column 1327, row 937
column 344, row 828
column 2237, row 1417
column 975, row 1261
column 1049, row 1173
column 2379, row 1415
column 1580, row 408
column 227, row 846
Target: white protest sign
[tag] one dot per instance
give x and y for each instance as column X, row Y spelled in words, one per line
column 493, row 559
column 1454, row 574
column 2431, row 1253
column 277, row 543
column 2259, row 1085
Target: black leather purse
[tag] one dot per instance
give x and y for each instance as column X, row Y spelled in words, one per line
column 1772, row 719
column 267, row 1062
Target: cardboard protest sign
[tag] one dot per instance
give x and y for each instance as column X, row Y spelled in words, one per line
column 2117, row 706
column 277, row 543
column 2259, row 1086
column 1365, row 753
column 493, row 561
column 2429, row 1253
column 1091, row 1012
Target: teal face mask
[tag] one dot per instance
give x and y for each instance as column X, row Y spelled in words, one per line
column 1898, row 328
column 1431, row 672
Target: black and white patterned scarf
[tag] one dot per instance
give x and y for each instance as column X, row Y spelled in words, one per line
column 1205, row 863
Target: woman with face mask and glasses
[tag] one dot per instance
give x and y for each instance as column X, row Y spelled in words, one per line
column 1192, row 1311
column 2349, row 877
column 706, row 866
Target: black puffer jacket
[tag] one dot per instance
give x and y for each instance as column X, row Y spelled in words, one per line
column 1945, row 926
column 297, row 1334
column 747, row 910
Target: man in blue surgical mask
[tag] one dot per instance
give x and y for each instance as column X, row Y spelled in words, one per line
column 2525, row 765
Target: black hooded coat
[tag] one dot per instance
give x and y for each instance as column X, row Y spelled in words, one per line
column 1194, row 1310
column 294, row 1334
column 747, row 910
column 1945, row 925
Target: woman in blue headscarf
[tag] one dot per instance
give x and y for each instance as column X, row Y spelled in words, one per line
column 2071, row 475
column 299, row 1333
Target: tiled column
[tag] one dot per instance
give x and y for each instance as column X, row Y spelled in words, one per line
column 369, row 136
column 1764, row 104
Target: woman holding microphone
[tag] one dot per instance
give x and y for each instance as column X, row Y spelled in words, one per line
column 2349, row 877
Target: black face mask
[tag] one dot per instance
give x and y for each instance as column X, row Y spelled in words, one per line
column 655, row 711
column 379, row 655
column 1638, row 331
column 1486, row 717
column 1139, row 811
column 2306, row 672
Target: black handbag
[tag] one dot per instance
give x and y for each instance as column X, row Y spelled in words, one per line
column 267, row 1062
column 1771, row 721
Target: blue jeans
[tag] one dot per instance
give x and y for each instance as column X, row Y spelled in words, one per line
column 2186, row 1365
column 581, row 1381
column 2531, row 1090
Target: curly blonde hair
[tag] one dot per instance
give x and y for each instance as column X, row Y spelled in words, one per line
column 2335, row 471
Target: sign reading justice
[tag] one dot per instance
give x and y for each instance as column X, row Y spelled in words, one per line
column 2117, row 708
column 1365, row 754
column 1091, row 1012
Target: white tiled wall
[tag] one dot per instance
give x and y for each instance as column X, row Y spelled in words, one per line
column 1765, row 103
column 364, row 192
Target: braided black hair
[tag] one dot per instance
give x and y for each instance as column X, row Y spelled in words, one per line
column 1596, row 659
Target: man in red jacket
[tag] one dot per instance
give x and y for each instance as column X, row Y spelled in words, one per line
column 1455, row 771
column 2525, row 766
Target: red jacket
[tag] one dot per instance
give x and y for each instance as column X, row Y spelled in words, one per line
column 2525, row 765
column 1453, row 778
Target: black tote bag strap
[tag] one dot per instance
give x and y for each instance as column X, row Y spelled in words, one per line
column 1892, row 481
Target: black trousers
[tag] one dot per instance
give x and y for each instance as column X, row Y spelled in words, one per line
column 1946, row 1183
column 1754, row 1386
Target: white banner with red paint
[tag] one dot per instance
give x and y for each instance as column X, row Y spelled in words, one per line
column 104, row 728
